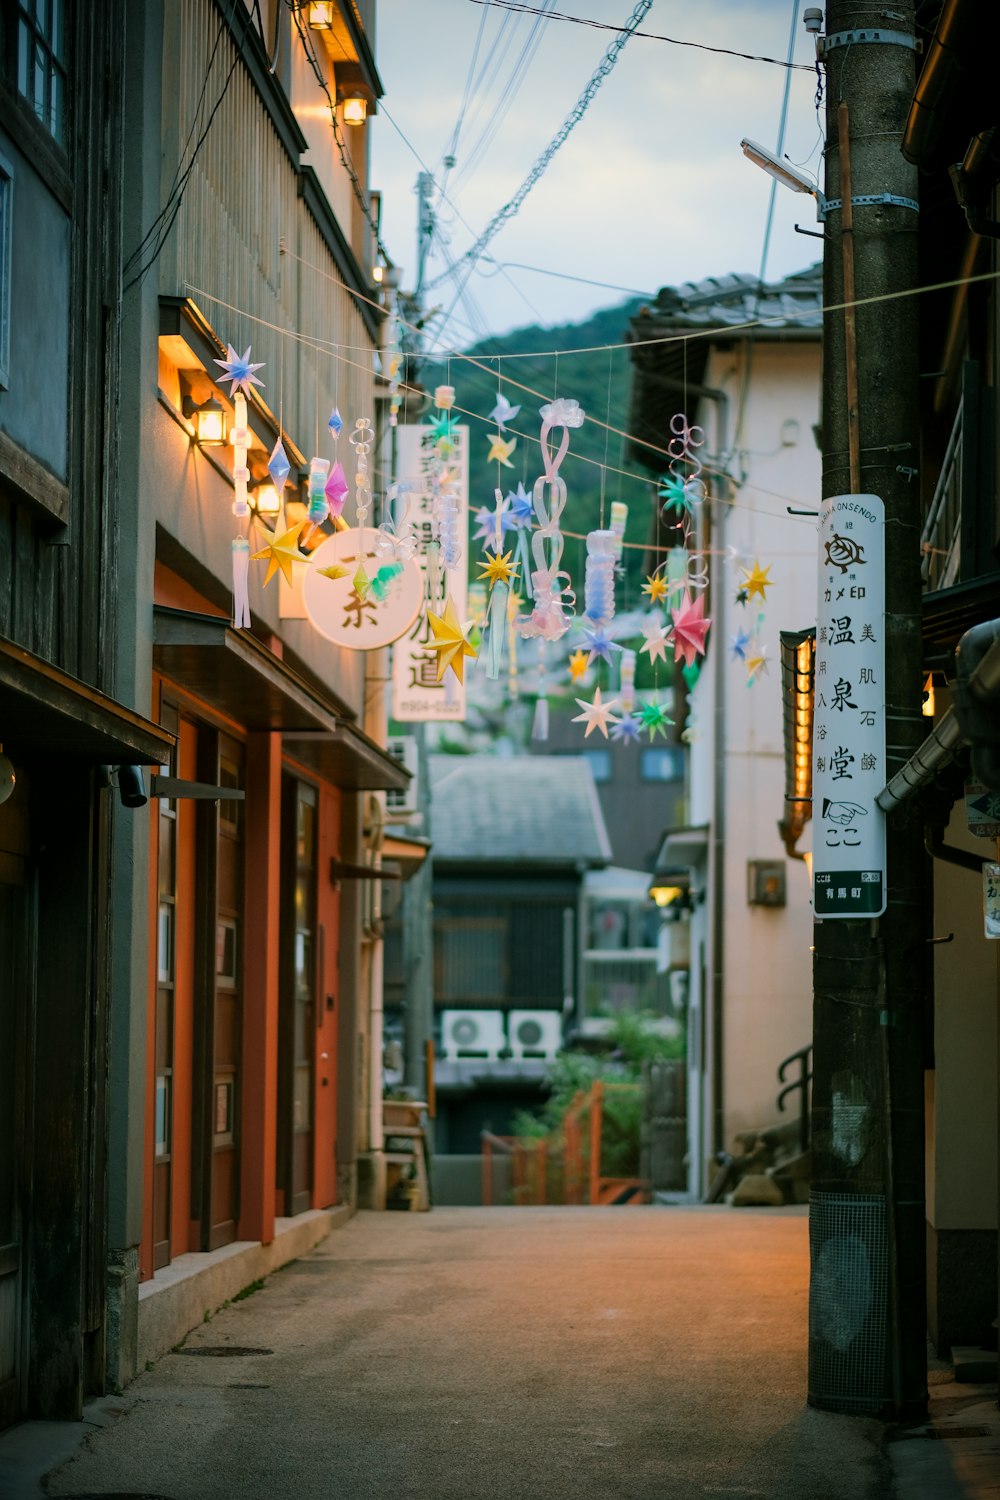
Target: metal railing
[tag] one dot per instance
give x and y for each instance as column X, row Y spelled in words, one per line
column 564, row 1167
column 624, row 979
column 798, row 1085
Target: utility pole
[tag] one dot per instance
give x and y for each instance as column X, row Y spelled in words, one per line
column 867, row 1312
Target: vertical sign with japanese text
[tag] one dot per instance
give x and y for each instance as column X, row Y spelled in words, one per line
column 417, row 696
column 849, row 710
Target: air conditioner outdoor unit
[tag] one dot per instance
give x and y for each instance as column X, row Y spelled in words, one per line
column 534, row 1034
column 403, row 748
column 472, row 1034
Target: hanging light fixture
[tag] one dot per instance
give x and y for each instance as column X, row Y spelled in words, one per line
column 321, row 15
column 355, row 109
column 266, row 500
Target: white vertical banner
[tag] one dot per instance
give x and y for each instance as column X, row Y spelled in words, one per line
column 849, row 878
column 417, row 696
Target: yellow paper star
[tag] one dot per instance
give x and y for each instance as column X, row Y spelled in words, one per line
column 333, row 571
column 499, row 450
column 655, row 587
column 577, row 665
column 756, row 580
column 450, row 642
column 281, row 553
column 497, row 568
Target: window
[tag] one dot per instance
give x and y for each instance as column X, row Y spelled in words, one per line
column 600, row 763
column 662, row 764
column 6, row 233
column 41, row 62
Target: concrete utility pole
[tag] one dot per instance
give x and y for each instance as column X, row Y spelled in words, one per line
column 867, row 1313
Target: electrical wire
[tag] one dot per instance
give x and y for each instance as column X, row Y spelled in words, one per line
column 576, row 114
column 652, row 36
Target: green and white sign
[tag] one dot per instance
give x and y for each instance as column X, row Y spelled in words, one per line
column 849, row 710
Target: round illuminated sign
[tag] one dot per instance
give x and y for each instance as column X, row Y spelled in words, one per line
column 376, row 615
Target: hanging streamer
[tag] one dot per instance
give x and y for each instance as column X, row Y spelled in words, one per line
column 554, row 601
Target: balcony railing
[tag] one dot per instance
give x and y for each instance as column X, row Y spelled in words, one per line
column 624, row 979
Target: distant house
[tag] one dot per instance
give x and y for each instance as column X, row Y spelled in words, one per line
column 750, row 376
column 513, row 841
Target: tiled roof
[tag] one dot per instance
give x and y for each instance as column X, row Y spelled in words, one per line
column 724, row 301
column 521, row 807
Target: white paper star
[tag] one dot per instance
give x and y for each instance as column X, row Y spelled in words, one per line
column 596, row 715
column 657, row 636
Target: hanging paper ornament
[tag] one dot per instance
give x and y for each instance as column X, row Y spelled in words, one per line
column 241, row 568
column 683, row 488
column 553, row 600
column 281, row 552
column 756, row 663
column 656, row 637
column 596, row 715
column 655, row 587
column 503, row 412
column 319, row 504
column 627, row 730
column 738, row 645
column 335, row 422
column 361, row 441
column 278, row 467
column 395, row 536
column 690, row 629
column 578, row 665
column 239, row 371
column 489, row 522
column 449, row 641
column 500, row 450
column 619, row 520
column 757, row 580
column 437, row 445
column 691, row 673
column 626, row 689
column 521, row 514
column 337, row 488
column 599, row 577
column 598, row 645
column 654, row 718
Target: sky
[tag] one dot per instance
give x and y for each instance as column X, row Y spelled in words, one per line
column 651, row 188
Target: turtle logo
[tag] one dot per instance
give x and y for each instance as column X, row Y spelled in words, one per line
column 843, row 552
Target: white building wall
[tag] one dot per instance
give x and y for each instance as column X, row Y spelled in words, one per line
column 766, row 952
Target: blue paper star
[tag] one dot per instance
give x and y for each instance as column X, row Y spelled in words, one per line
column 627, row 730
column 486, row 522
column 522, row 511
column 335, row 422
column 599, row 644
column 239, row 371
column 738, row 645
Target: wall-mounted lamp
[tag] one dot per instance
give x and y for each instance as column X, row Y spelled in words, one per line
column 265, row 498
column 671, row 890
column 783, row 172
column 355, row 109
column 377, row 273
column 798, row 659
column 209, row 418
column 321, row 15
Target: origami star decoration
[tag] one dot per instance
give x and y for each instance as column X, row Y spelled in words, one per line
column 281, row 553
column 497, row 568
column 335, row 570
column 439, row 426
column 757, row 580
column 675, row 495
column 500, row 450
column 449, row 641
column 691, row 673
column 657, row 636
column 578, row 664
column 522, row 511
column 596, row 715
column 742, row 597
column 599, row 644
column 503, row 412
column 654, row 717
column 239, row 371
column 757, row 664
column 335, row 422
column 278, row 466
column 486, row 524
column 627, row 730
column 655, row 587
column 690, row 629
column 738, row 645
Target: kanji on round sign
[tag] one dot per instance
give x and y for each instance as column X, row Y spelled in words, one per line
column 360, row 601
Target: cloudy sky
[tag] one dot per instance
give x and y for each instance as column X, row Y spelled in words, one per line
column 650, row 189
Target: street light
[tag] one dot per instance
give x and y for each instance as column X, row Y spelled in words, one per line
column 783, row 172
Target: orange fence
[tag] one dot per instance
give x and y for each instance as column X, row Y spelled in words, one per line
column 565, row 1166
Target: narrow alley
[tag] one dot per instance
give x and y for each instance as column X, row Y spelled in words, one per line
column 505, row 1353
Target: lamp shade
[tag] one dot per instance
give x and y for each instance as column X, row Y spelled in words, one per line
column 355, row 110
column 210, row 424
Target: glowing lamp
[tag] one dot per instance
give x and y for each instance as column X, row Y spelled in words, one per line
column 267, row 501
column 321, row 15
column 210, row 424
column 355, row 110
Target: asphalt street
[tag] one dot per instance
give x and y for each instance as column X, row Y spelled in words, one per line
column 499, row 1354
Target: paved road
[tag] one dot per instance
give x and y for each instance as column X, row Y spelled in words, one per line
column 501, row 1354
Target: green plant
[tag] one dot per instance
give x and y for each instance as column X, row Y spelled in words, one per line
column 248, row 1291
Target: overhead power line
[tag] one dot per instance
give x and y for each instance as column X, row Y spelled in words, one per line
column 574, row 117
column 652, row 36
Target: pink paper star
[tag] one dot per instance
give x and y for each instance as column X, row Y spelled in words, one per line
column 690, row 629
